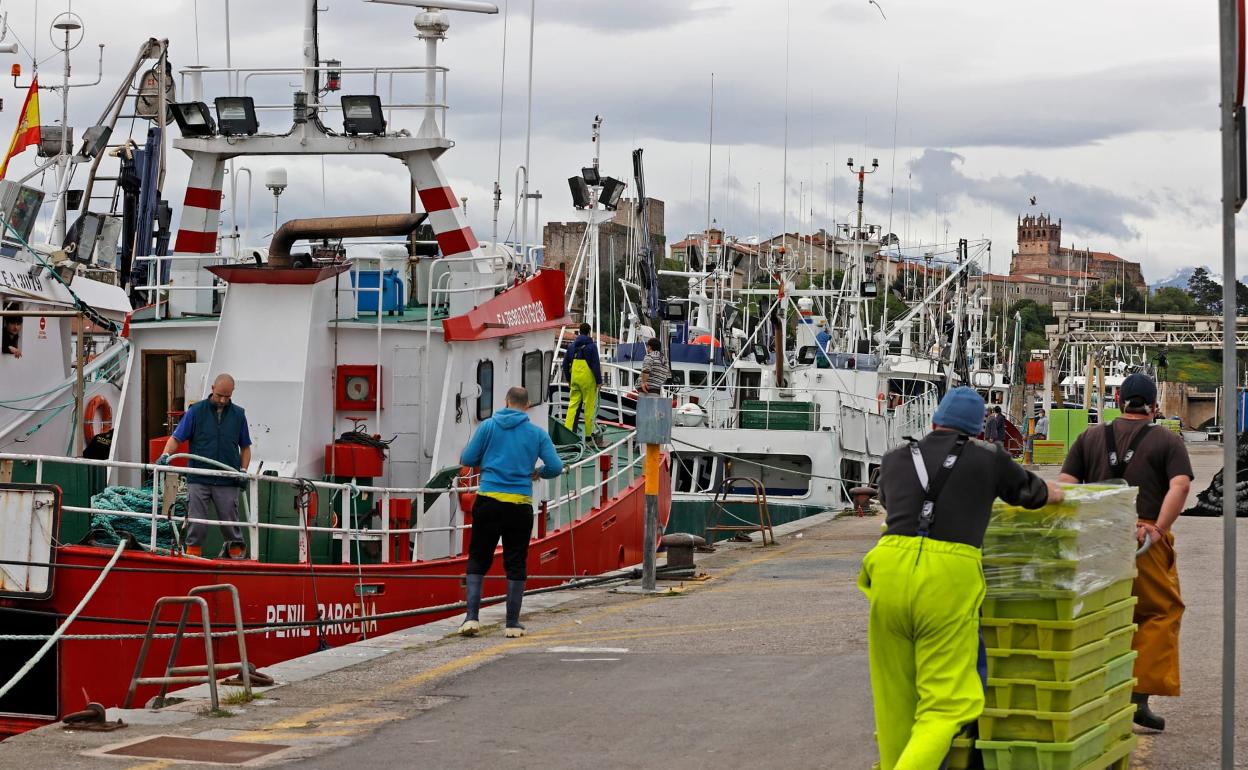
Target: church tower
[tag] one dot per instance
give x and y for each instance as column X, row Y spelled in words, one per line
column 1039, row 242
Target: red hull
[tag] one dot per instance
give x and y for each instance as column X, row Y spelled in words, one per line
column 605, row 540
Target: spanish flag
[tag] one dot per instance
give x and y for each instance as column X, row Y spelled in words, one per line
column 27, row 131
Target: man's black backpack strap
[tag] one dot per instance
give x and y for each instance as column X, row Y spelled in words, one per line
column 1118, row 465
column 932, row 490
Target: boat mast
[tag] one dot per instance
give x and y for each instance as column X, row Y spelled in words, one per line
column 68, row 23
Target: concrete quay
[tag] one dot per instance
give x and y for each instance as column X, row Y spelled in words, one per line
column 762, row 665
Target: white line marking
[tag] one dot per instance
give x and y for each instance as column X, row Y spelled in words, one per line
column 587, row 649
column 587, row 660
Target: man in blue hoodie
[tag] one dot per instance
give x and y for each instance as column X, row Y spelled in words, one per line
column 506, row 447
column 581, row 370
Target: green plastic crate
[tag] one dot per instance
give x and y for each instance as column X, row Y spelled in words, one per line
column 1036, row 604
column 1120, row 669
column 1119, row 724
column 1055, row 542
column 1117, row 698
column 1018, row 572
column 1034, row 695
column 1057, row 635
column 1042, row 726
column 1045, row 665
column 1119, row 642
column 1031, row 755
column 1117, row 755
column 960, row 754
column 780, row 415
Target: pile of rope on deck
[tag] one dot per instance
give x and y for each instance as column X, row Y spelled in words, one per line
column 1209, row 502
column 107, row 529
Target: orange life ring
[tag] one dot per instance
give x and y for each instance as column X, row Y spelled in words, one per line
column 468, row 477
column 96, row 407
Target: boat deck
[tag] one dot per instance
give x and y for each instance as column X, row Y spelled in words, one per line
column 764, row 665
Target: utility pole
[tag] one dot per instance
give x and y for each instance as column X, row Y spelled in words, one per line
column 1232, row 100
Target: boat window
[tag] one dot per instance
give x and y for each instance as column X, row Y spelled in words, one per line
column 12, row 334
column 531, row 378
column 683, row 477
column 697, row 378
column 678, row 376
column 750, row 384
column 780, row 475
column 485, row 385
column 548, row 360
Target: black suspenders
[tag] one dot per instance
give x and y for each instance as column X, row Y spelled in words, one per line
column 1117, row 466
column 932, row 490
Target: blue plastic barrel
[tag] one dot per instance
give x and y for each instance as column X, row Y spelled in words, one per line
column 366, row 297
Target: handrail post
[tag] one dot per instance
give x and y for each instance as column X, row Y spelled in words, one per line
column 253, row 516
column 155, row 507
column 348, row 508
column 385, row 527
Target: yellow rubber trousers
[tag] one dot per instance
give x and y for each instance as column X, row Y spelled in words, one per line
column 923, row 640
column 1158, row 614
column 584, row 394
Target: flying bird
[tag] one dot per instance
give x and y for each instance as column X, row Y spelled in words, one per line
column 877, row 6
column 1033, row 200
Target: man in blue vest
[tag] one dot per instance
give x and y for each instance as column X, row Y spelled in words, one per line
column 216, row 429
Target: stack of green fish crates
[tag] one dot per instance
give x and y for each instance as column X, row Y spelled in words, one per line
column 1057, row 623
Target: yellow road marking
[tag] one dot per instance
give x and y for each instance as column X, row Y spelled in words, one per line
column 315, row 716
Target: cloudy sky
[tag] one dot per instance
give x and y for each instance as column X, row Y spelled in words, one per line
column 1105, row 112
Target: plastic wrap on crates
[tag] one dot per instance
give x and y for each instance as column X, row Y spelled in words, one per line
column 1084, row 505
column 1080, row 546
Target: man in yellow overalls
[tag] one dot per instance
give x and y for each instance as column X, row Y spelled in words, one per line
column 925, row 581
column 581, row 370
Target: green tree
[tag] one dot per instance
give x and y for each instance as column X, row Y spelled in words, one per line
column 1205, row 292
column 1171, row 299
column 1105, row 297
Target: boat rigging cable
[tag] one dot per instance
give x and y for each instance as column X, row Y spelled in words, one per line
column 632, row 574
column 50, row 640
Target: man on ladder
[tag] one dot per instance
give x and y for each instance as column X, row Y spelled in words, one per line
column 581, row 370
column 1156, row 462
column 925, row 581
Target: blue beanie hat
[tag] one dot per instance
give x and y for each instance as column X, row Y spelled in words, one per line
column 961, row 409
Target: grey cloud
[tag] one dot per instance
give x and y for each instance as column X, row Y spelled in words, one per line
column 1085, row 210
column 631, row 16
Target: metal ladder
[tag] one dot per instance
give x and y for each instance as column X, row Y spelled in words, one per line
column 760, row 502
column 192, row 674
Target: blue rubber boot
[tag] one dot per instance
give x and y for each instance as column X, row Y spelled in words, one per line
column 515, row 596
column 471, row 625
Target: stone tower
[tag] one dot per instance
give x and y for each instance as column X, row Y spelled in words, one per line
column 1039, row 243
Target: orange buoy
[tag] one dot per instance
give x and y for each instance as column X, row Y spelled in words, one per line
column 468, row 477
column 96, row 407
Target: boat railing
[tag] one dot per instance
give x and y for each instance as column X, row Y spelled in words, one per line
column 437, row 294
column 732, row 405
column 590, row 483
column 238, row 81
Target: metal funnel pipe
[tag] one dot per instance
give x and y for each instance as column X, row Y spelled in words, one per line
column 338, row 227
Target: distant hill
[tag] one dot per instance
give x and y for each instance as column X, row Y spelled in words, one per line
column 1180, row 277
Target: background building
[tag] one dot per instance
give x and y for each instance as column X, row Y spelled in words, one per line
column 1040, row 255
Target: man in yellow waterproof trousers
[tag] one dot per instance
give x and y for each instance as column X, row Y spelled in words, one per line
column 582, row 372
column 925, row 581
